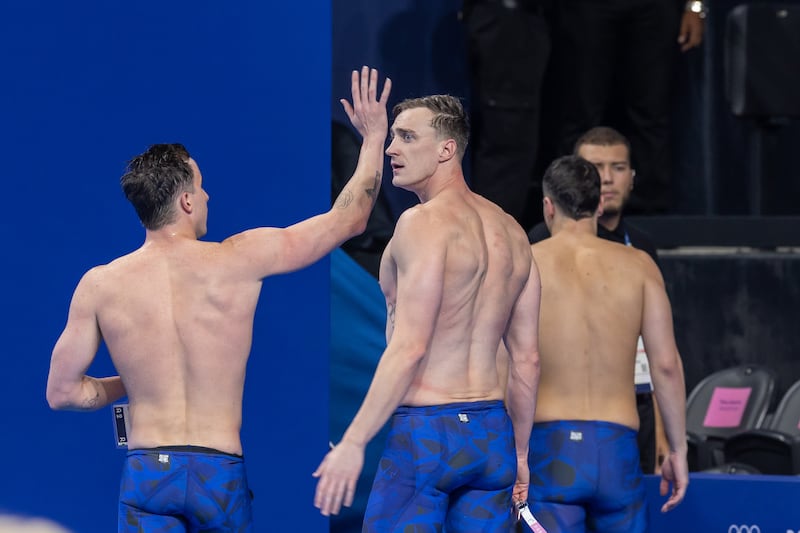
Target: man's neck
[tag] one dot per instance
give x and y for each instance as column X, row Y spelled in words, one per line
column 444, row 179
column 570, row 225
column 171, row 232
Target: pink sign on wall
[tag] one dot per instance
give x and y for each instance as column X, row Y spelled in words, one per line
column 727, row 407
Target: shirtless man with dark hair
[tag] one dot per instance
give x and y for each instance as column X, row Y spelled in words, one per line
column 177, row 318
column 597, row 298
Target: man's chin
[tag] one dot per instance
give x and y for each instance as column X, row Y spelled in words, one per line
column 610, row 211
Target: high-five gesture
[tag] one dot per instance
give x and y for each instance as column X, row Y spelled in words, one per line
column 368, row 114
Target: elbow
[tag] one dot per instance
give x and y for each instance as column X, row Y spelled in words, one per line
column 525, row 371
column 412, row 353
column 668, row 366
column 59, row 397
column 358, row 227
column 57, row 400
column 529, row 370
column 537, row 369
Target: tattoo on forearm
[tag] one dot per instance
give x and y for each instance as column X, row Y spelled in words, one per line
column 344, row 199
column 93, row 402
column 373, row 192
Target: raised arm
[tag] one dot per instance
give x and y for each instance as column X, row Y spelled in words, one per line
column 267, row 251
column 522, row 342
column 68, row 386
column 666, row 370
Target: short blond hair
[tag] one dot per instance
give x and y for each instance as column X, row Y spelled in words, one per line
column 449, row 118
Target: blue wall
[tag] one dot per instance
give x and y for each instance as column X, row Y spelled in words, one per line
column 728, row 502
column 85, row 87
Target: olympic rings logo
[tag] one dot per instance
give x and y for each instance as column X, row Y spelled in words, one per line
column 743, row 529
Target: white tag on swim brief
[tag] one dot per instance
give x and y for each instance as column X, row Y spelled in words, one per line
column 121, row 424
column 641, row 375
column 524, row 513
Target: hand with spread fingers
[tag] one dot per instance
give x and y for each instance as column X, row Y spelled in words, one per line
column 367, row 113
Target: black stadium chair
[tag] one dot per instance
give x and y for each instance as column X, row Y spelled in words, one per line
column 723, row 404
column 775, row 448
column 732, row 468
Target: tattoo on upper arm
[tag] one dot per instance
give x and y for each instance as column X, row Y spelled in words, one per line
column 344, row 199
column 390, row 313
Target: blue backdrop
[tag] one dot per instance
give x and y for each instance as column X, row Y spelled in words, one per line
column 86, row 86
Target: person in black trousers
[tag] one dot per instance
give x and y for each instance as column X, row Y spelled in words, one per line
column 508, row 45
column 614, row 64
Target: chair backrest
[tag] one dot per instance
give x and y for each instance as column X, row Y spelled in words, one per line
column 729, row 401
column 787, row 415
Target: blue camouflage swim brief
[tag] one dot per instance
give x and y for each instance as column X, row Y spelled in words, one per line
column 450, row 466
column 585, row 476
column 184, row 488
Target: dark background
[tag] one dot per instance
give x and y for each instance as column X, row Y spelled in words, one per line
column 731, row 305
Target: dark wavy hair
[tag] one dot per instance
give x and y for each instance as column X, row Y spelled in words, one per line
column 152, row 181
column 449, row 118
column 573, row 184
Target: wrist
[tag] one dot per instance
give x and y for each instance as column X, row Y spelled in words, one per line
column 698, row 7
column 374, row 139
column 353, row 440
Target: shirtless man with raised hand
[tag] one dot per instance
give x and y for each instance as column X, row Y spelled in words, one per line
column 597, row 297
column 177, row 318
column 459, row 280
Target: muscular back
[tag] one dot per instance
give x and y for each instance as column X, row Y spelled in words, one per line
column 451, row 275
column 177, row 320
column 590, row 320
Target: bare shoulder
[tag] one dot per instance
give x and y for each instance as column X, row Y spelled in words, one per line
column 92, row 278
column 645, row 263
column 99, row 274
column 421, row 222
column 633, row 263
column 91, row 287
column 515, row 231
column 493, row 214
column 420, row 238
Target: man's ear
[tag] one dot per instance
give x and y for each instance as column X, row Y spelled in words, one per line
column 447, row 150
column 186, row 202
column 548, row 208
column 633, row 177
